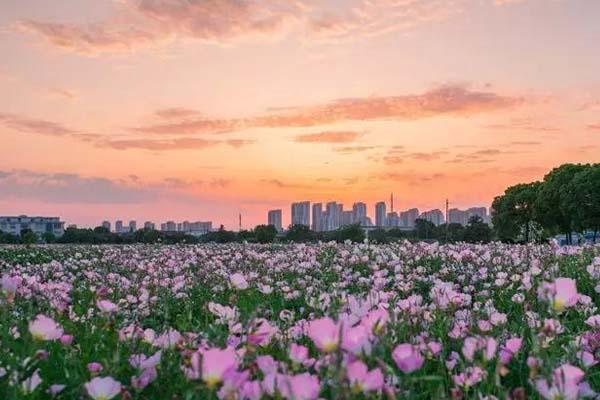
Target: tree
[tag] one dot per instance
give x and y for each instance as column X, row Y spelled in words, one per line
column 378, row 236
column 583, row 197
column 424, row 229
column 477, row 231
column 28, row 237
column 299, row 233
column 48, row 237
column 352, row 232
column 265, row 233
column 552, row 207
column 454, row 231
column 513, row 213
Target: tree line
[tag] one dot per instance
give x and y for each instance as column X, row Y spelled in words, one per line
column 566, row 201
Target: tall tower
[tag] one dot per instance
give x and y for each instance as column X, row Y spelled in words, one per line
column 392, row 202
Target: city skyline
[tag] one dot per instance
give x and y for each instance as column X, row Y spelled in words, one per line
column 138, row 109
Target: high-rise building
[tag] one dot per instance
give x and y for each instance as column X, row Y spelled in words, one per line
column 359, row 213
column 347, row 218
column 149, row 225
column 317, row 217
column 106, row 225
column 456, row 216
column 435, row 216
column 408, row 218
column 480, row 212
column 168, row 226
column 119, row 226
column 132, row 226
column 393, row 220
column 380, row 213
column 274, row 218
column 332, row 213
column 301, row 213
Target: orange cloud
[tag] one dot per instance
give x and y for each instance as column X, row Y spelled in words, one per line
column 32, row 125
column 445, row 100
column 144, row 23
column 159, row 145
column 328, row 137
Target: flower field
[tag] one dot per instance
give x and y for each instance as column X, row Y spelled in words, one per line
column 301, row 322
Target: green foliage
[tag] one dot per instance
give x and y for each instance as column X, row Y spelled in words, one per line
column 477, row 231
column 567, row 200
column 353, row 233
column 265, row 233
column 299, row 233
column 513, row 213
column 28, row 236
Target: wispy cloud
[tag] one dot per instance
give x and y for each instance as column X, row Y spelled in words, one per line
column 32, row 125
column 328, row 137
column 138, row 24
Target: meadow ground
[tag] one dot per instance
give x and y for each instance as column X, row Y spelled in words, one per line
column 331, row 321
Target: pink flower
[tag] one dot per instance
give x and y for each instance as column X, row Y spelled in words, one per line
column 31, row 383
column 94, row 367
column 565, row 383
column 45, row 328
column 261, row 333
column 215, row 363
column 56, row 389
column 103, row 388
column 510, row 348
column 299, row 387
column 564, row 294
column 376, row 320
column 141, row 362
column 238, row 281
column 356, row 340
column 107, row 306
column 470, row 377
column 147, row 376
column 66, row 340
column 363, row 380
column 407, row 358
column 298, row 353
column 325, row 333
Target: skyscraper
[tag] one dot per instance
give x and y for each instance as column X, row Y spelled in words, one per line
column 359, row 213
column 347, row 218
column 392, row 219
column 106, row 225
column 408, row 218
column 435, row 216
column 317, row 217
column 332, row 212
column 380, row 214
column 149, row 225
column 132, row 226
column 119, row 226
column 301, row 213
column 274, row 218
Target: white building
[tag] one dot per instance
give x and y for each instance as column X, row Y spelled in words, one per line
column 301, row 213
column 39, row 225
column 435, row 216
column 274, row 218
column 119, row 226
column 408, row 218
column 149, row 225
column 359, row 213
column 318, row 218
column 380, row 214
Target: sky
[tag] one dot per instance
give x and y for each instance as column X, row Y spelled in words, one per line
column 202, row 109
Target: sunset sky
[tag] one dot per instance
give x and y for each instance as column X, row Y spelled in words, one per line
column 200, row 109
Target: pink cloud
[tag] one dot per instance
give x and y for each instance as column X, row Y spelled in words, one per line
column 328, row 137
